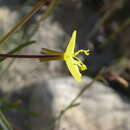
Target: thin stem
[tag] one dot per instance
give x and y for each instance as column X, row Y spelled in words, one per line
column 18, row 48
column 4, row 123
column 24, row 20
column 29, row 56
column 52, row 5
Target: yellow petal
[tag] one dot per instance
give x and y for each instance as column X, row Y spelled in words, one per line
column 73, row 68
column 46, row 51
column 71, row 45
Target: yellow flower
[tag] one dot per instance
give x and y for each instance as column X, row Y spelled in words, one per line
column 73, row 63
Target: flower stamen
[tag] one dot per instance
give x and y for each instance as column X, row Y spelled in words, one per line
column 80, row 64
column 86, row 52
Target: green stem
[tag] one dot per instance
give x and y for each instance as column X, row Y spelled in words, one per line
column 52, row 5
column 28, row 56
column 20, row 47
column 4, row 123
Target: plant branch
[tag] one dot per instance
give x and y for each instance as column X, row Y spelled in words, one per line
column 4, row 123
column 28, row 56
column 18, row 48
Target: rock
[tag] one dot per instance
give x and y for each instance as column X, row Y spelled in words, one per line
column 101, row 108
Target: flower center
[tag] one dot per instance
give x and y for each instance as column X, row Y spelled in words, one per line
column 76, row 60
column 80, row 64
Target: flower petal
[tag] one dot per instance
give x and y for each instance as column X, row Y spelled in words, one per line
column 46, row 51
column 73, row 68
column 71, row 45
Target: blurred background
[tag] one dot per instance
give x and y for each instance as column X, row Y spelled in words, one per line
column 33, row 93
